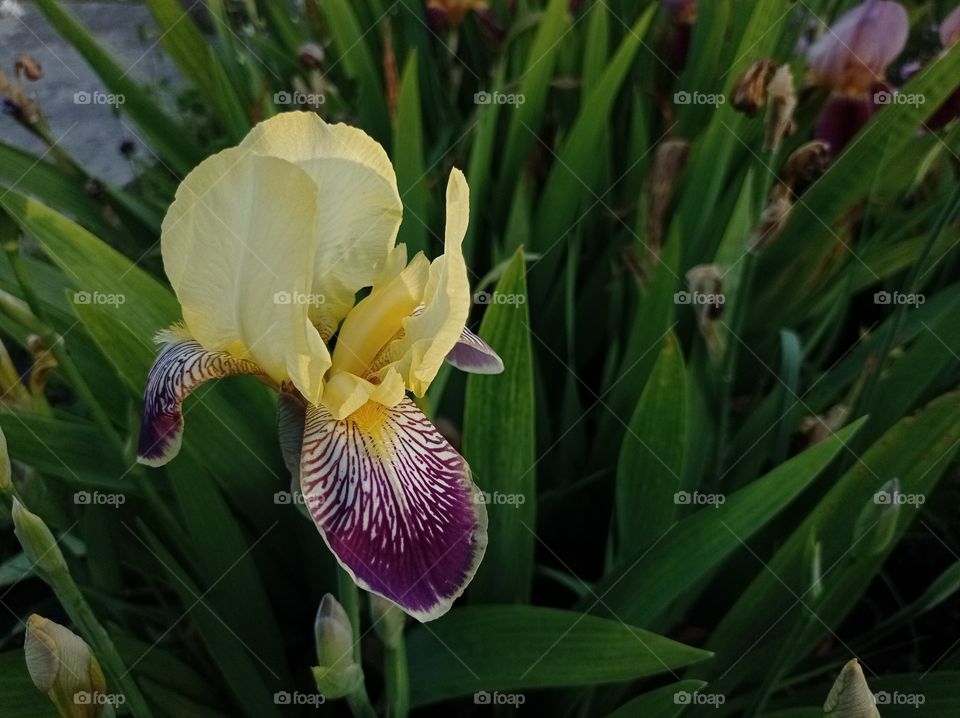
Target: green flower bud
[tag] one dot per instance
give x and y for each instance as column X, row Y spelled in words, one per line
column 37, row 541
column 337, row 673
column 6, row 483
column 62, row 665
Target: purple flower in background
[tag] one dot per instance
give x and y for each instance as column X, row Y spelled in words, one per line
column 683, row 11
column 950, row 28
column 851, row 59
column 684, row 14
column 855, row 52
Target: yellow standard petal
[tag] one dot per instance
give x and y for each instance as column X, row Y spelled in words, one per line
column 239, row 246
column 359, row 205
column 430, row 335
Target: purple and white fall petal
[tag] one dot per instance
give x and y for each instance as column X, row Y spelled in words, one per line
column 472, row 354
column 395, row 503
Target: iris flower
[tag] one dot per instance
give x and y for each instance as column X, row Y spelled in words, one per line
column 267, row 246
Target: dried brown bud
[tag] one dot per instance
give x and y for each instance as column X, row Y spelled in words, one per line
column 29, row 67
column 750, row 89
column 783, row 103
column 311, row 56
column 805, row 164
column 668, row 163
column 772, row 221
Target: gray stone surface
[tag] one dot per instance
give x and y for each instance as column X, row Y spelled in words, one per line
column 91, row 132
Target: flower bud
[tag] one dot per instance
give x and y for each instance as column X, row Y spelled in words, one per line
column 772, row 221
column 805, row 165
column 850, row 696
column 853, row 54
column 311, row 56
column 6, row 482
column 337, row 674
column 669, row 161
column 950, row 28
column 783, row 103
column 37, row 541
column 29, row 67
column 450, row 13
column 683, row 11
column 388, row 620
column 750, row 89
column 62, row 665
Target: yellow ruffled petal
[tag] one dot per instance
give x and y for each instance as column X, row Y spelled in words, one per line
column 360, row 209
column 430, row 335
column 239, row 246
column 347, row 393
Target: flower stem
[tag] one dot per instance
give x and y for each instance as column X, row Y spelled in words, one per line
column 397, row 680
column 349, row 596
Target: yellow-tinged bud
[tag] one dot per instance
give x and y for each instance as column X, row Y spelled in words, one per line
column 783, row 103
column 62, row 665
column 850, row 696
column 337, row 673
column 6, row 481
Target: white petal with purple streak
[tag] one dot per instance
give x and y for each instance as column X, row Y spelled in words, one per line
column 395, row 503
column 181, row 367
column 472, row 354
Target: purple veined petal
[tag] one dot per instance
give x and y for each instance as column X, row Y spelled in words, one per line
column 181, row 367
column 472, row 354
column 395, row 503
column 841, row 118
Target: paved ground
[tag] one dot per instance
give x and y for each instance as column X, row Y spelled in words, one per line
column 90, row 132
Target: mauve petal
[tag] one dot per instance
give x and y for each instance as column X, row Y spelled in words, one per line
column 181, row 367
column 950, row 28
column 855, row 52
column 473, row 355
column 395, row 503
